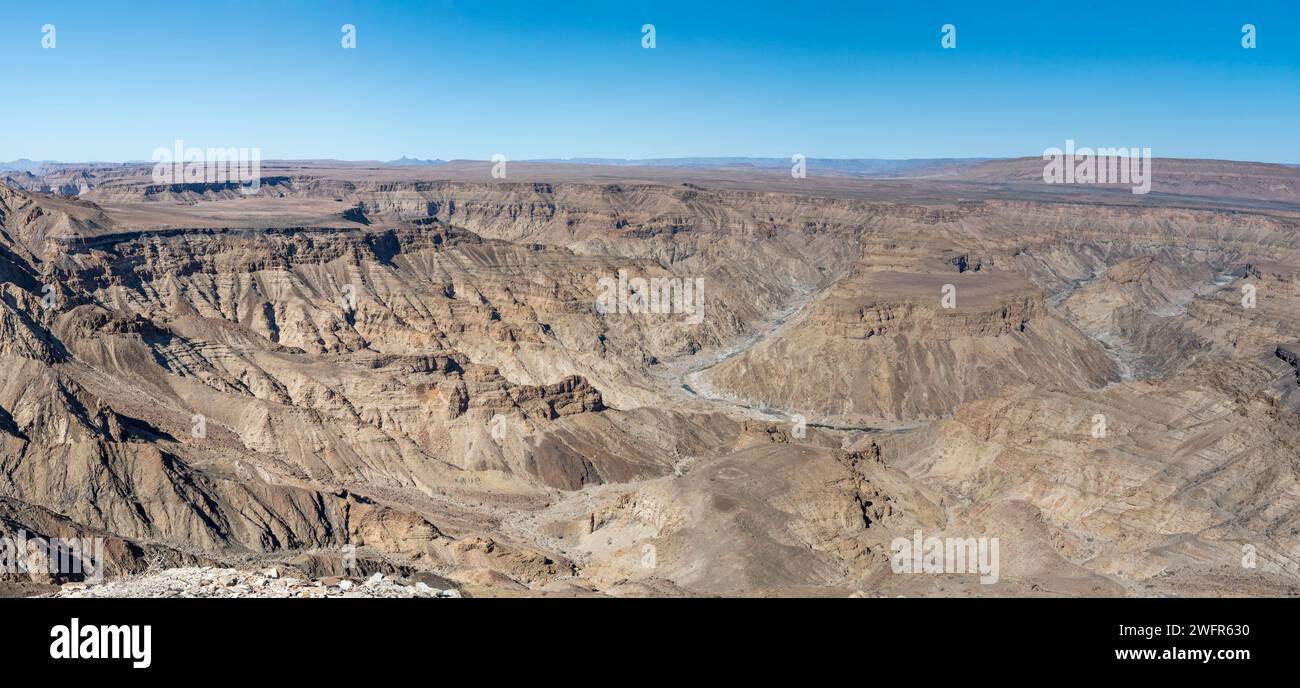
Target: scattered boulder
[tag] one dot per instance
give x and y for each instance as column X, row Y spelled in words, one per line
column 213, row 582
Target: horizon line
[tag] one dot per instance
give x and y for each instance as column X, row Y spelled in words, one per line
column 598, row 160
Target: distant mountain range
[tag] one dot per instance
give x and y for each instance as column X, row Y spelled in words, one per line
column 867, row 167
column 415, row 162
column 851, row 166
column 23, row 165
column 864, row 167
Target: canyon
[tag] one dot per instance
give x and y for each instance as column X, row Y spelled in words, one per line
column 405, row 369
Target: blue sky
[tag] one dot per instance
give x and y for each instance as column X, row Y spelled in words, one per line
column 467, row 79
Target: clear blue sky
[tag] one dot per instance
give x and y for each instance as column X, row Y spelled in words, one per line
column 467, row 79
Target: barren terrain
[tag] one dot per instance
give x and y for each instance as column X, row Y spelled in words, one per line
column 370, row 368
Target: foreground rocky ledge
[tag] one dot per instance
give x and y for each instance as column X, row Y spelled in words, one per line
column 217, row 582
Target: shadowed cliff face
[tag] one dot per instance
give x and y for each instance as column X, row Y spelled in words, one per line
column 423, row 369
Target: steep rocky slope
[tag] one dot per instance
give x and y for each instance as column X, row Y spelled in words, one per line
column 884, row 346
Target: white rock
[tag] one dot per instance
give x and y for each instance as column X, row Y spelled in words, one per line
column 345, row 585
column 377, row 578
